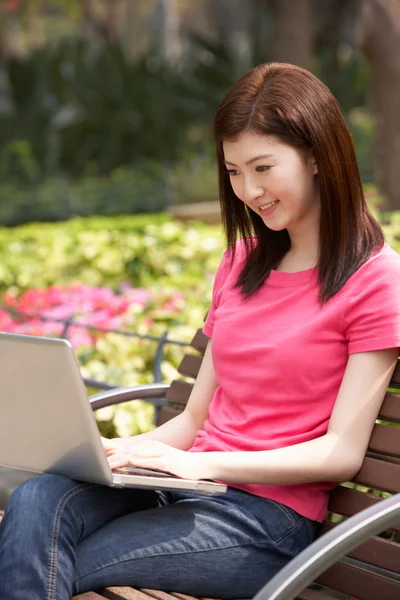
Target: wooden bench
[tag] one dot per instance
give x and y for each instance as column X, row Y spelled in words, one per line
column 371, row 569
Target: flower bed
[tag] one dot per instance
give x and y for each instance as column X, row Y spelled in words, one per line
column 102, row 355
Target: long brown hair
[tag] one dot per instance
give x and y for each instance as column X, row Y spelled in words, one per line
column 291, row 104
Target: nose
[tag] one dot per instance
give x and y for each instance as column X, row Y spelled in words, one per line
column 252, row 190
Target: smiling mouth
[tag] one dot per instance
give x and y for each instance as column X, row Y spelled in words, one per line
column 267, row 206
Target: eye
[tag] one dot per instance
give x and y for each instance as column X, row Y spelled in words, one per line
column 231, row 172
column 262, row 168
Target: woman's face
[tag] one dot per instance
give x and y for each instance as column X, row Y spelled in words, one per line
column 275, row 180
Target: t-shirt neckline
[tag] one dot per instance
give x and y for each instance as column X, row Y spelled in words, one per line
column 284, row 278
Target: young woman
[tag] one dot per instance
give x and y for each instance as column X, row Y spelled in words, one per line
column 304, row 333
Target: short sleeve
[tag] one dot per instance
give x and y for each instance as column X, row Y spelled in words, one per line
column 372, row 317
column 216, row 293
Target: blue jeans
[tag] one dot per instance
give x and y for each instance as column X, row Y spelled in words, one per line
column 61, row 537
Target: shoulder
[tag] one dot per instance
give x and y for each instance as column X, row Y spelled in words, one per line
column 377, row 281
column 231, row 264
column 382, row 266
column 386, row 258
column 372, row 311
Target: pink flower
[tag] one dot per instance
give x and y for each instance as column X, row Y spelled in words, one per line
column 6, row 321
column 96, row 306
column 79, row 337
column 138, row 296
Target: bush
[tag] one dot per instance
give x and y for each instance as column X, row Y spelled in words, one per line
column 173, row 264
column 195, row 179
column 78, row 106
column 124, row 191
column 147, row 251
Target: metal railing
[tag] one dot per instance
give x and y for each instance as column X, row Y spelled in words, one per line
column 161, row 341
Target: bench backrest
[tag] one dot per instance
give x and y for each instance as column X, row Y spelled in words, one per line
column 380, row 473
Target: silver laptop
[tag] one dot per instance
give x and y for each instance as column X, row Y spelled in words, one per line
column 47, row 423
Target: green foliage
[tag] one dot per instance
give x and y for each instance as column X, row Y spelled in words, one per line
column 123, row 111
column 76, row 107
column 146, row 250
column 123, row 191
column 153, row 252
column 346, row 74
column 74, row 112
column 195, row 179
column 361, row 127
column 391, row 228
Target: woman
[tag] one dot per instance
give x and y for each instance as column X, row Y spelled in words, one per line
column 304, row 333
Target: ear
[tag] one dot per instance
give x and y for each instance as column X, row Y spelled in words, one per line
column 313, row 164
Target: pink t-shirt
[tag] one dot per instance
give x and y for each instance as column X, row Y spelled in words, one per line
column 280, row 358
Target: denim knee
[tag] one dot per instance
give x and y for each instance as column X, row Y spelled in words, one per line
column 38, row 495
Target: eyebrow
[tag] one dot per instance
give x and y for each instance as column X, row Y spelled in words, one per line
column 249, row 162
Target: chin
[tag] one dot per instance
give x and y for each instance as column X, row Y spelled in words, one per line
column 274, row 226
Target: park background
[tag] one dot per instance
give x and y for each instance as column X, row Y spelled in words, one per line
column 108, row 184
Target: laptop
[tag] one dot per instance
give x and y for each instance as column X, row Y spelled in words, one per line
column 48, row 425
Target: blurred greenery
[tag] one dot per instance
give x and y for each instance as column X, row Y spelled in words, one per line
column 158, row 254
column 104, row 251
column 89, row 131
column 122, row 191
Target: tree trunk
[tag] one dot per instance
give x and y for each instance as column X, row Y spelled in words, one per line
column 88, row 20
column 114, row 20
column 292, row 32
column 171, row 46
column 5, row 50
column 135, row 32
column 36, row 35
column 232, row 21
column 379, row 40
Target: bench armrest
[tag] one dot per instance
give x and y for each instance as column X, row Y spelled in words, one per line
column 329, row 548
column 153, row 392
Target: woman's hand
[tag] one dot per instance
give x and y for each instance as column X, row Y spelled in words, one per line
column 156, row 455
column 116, row 452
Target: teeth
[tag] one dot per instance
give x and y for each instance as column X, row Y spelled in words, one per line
column 269, row 205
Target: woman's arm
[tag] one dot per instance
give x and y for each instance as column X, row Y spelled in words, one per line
column 336, row 456
column 180, row 431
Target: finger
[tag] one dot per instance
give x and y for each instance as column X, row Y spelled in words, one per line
column 107, row 444
column 146, row 463
column 117, row 463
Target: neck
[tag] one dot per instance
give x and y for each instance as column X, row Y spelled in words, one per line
column 303, row 253
column 304, row 240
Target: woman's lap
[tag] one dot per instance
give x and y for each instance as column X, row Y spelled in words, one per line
column 226, row 546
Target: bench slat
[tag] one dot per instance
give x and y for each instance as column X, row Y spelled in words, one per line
column 360, row 582
column 200, row 341
column 88, row 596
column 380, row 475
column 182, row 596
column 376, row 551
column 385, row 440
column 346, row 501
column 315, row 595
column 190, row 365
column 157, row 594
column 166, row 413
column 179, row 392
column 390, row 409
column 123, row 593
column 396, row 374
